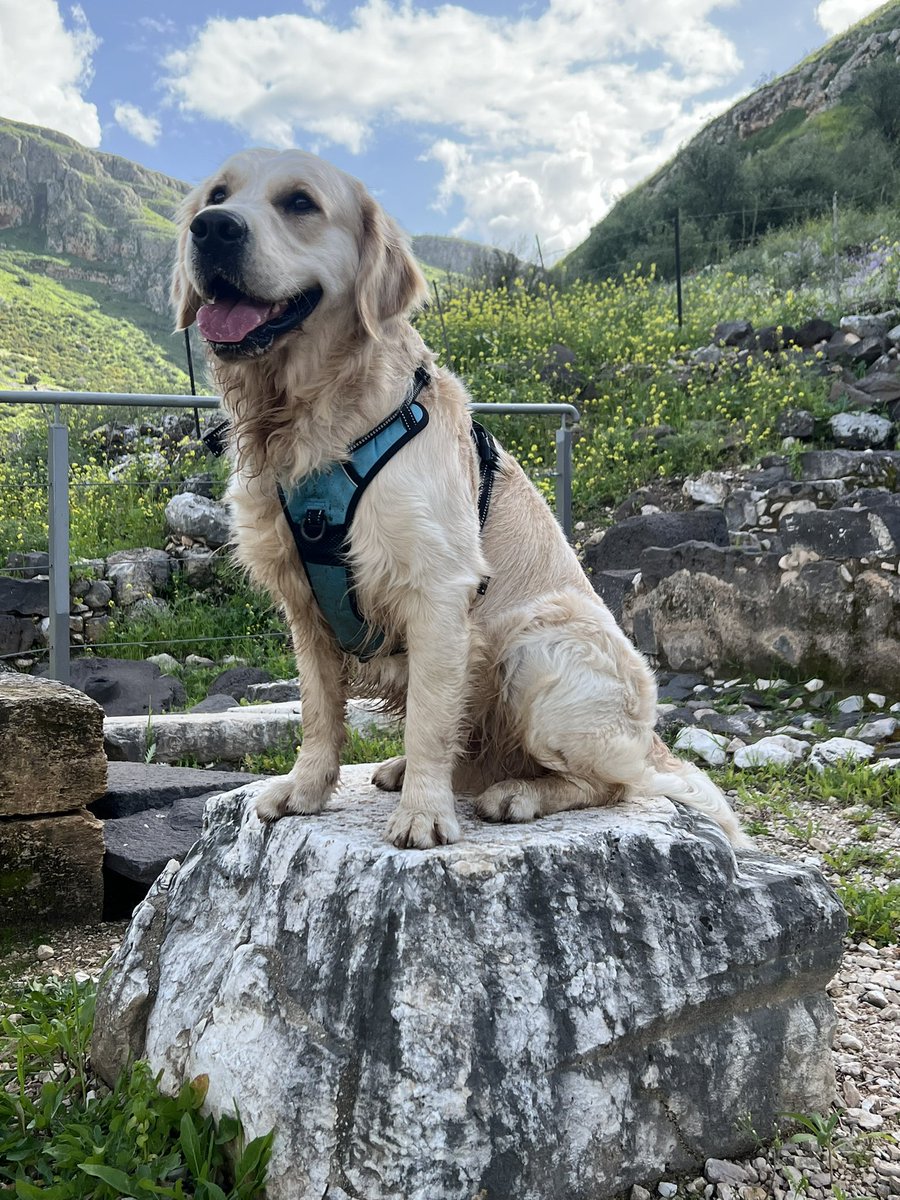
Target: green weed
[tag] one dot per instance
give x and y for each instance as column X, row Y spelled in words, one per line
column 64, row 1136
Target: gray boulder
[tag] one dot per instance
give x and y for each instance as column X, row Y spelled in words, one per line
column 237, row 681
column 875, row 465
column 838, row 533
column 198, row 517
column 869, row 325
column 623, row 543
column 24, row 597
column 124, row 687
column 138, row 574
column 545, row 1010
column 860, row 431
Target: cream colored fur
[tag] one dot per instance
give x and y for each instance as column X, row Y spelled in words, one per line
column 529, row 696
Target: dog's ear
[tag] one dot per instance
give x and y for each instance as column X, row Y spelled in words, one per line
column 389, row 282
column 184, row 298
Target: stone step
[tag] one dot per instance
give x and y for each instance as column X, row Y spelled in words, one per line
column 223, row 737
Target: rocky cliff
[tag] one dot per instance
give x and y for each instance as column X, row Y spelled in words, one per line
column 816, row 84
column 109, row 219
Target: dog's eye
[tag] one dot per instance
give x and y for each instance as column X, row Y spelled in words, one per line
column 217, row 196
column 299, row 202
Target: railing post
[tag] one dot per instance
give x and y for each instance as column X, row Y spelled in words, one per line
column 564, row 476
column 58, row 477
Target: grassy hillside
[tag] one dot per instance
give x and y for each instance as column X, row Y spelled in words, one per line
column 831, row 125
column 80, row 335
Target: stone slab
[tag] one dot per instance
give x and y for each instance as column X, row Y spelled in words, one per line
column 51, row 747
column 223, row 737
column 139, row 846
column 558, row 1009
column 51, row 869
column 133, row 787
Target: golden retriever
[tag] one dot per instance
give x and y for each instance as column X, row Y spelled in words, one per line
column 528, row 695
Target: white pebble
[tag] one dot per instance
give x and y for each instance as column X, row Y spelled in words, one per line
column 44, row 953
column 667, row 1189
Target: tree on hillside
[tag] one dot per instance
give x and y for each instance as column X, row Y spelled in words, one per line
column 877, row 89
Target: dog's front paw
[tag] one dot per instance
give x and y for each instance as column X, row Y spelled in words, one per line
column 509, row 800
column 418, row 829
column 286, row 796
column 389, row 776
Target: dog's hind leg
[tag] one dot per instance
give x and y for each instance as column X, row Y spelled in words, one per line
column 583, row 702
column 389, row 775
column 521, row 800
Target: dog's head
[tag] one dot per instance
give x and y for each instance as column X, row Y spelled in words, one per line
column 278, row 240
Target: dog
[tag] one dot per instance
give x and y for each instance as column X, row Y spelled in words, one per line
column 515, row 682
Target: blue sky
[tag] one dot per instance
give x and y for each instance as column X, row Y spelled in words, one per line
column 490, row 119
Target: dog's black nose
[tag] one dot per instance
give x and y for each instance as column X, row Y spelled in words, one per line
column 217, row 228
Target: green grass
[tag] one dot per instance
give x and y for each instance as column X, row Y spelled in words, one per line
column 873, row 907
column 65, row 1136
column 229, row 617
column 371, row 747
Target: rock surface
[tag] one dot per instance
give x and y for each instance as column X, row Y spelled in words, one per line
column 51, row 747
column 546, row 1010
column 50, row 869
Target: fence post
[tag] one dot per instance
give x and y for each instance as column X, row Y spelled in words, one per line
column 678, row 265
column 564, row 476
column 58, row 478
column 835, row 253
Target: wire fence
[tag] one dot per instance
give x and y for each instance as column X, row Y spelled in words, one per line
column 72, row 624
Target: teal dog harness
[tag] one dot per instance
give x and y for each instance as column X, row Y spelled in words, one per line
column 319, row 510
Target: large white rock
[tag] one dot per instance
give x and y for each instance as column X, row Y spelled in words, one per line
column 560, row 1009
column 779, row 750
column 711, row 747
column 836, row 750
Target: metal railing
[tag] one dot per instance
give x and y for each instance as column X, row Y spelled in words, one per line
column 58, row 481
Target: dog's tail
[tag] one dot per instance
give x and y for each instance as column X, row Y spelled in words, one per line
column 679, row 780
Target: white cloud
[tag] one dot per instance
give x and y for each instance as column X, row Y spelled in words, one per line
column 537, row 120
column 45, row 65
column 837, row 15
column 137, row 123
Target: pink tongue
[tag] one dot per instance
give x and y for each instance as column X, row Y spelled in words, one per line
column 232, row 320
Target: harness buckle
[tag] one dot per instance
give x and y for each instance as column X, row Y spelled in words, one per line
column 314, row 525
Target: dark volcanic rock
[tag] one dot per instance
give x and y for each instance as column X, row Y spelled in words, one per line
column 839, row 533
column 811, row 332
column 133, row 787
column 125, row 688
column 235, row 681
column 796, row 422
column 612, row 587
column 24, row 597
column 139, row 846
column 624, row 543
column 722, row 561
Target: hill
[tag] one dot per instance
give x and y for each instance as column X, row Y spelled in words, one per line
column 830, row 125
column 85, row 254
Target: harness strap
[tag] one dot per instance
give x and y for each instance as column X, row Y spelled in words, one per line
column 319, row 510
